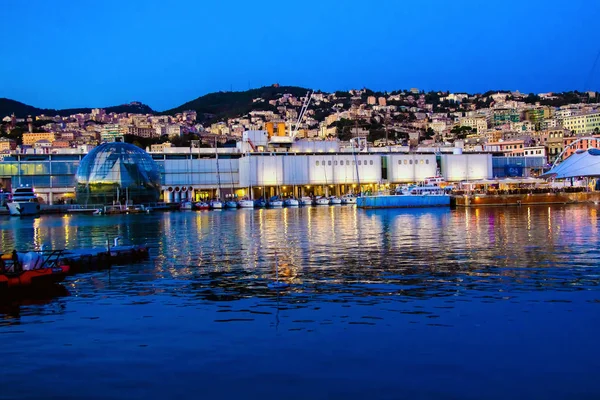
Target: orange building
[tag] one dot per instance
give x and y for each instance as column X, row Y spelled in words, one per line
column 7, row 144
column 29, row 139
column 583, row 145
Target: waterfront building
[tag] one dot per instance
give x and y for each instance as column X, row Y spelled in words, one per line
column 305, row 168
column 118, row 172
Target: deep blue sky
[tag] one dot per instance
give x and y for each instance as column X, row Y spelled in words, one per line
column 78, row 53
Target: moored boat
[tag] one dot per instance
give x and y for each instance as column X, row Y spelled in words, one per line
column 216, row 204
column 231, row 204
column 306, row 201
column 291, row 202
column 334, row 200
column 246, row 203
column 24, row 202
column 260, row 203
column 275, row 201
column 20, row 270
column 322, row 201
column 348, row 199
column 407, row 197
column 201, row 205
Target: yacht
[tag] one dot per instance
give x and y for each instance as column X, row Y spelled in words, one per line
column 334, row 200
column 260, row 203
column 322, row 201
column 246, row 203
column 306, row 201
column 24, row 202
column 231, row 204
column 201, row 205
column 275, row 201
column 186, row 205
column 348, row 199
column 216, row 204
column 291, row 202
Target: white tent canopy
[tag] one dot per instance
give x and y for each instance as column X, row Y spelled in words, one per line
column 581, row 163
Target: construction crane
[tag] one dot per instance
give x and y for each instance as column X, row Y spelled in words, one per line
column 305, row 104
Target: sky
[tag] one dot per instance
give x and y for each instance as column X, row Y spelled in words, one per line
column 75, row 53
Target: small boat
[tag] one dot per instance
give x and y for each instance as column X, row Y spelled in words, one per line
column 246, row 203
column 231, row 204
column 216, row 204
column 291, row 202
column 275, row 201
column 260, row 203
column 334, row 200
column 348, row 199
column 306, row 201
column 186, row 205
column 20, row 270
column 201, row 205
column 24, row 202
column 322, row 201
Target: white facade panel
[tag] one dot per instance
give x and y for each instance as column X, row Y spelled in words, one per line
column 460, row 167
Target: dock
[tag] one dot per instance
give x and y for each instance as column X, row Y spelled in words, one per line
column 522, row 199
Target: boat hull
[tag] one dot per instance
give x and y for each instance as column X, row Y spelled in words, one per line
column 246, row 204
column 291, row 203
column 415, row 201
column 18, row 208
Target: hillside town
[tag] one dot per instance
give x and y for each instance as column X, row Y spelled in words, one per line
column 506, row 123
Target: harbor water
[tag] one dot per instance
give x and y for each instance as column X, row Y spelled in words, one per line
column 488, row 303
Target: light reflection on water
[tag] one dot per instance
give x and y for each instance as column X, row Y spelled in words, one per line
column 415, row 294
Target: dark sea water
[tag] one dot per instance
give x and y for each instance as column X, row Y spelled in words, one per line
column 492, row 303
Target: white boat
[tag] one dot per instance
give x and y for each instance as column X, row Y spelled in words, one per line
column 24, row 202
column 231, row 204
column 334, row 200
column 186, row 205
column 291, row 202
column 216, row 204
column 306, row 201
column 348, row 199
column 275, row 202
column 322, row 201
column 246, row 203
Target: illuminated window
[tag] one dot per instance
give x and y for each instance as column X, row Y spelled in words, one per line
column 406, row 162
column 421, row 162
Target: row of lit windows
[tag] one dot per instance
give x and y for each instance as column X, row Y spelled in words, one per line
column 317, row 163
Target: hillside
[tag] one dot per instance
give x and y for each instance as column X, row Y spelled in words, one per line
column 221, row 105
column 21, row 110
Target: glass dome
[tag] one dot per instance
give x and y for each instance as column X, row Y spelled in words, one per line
column 116, row 171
